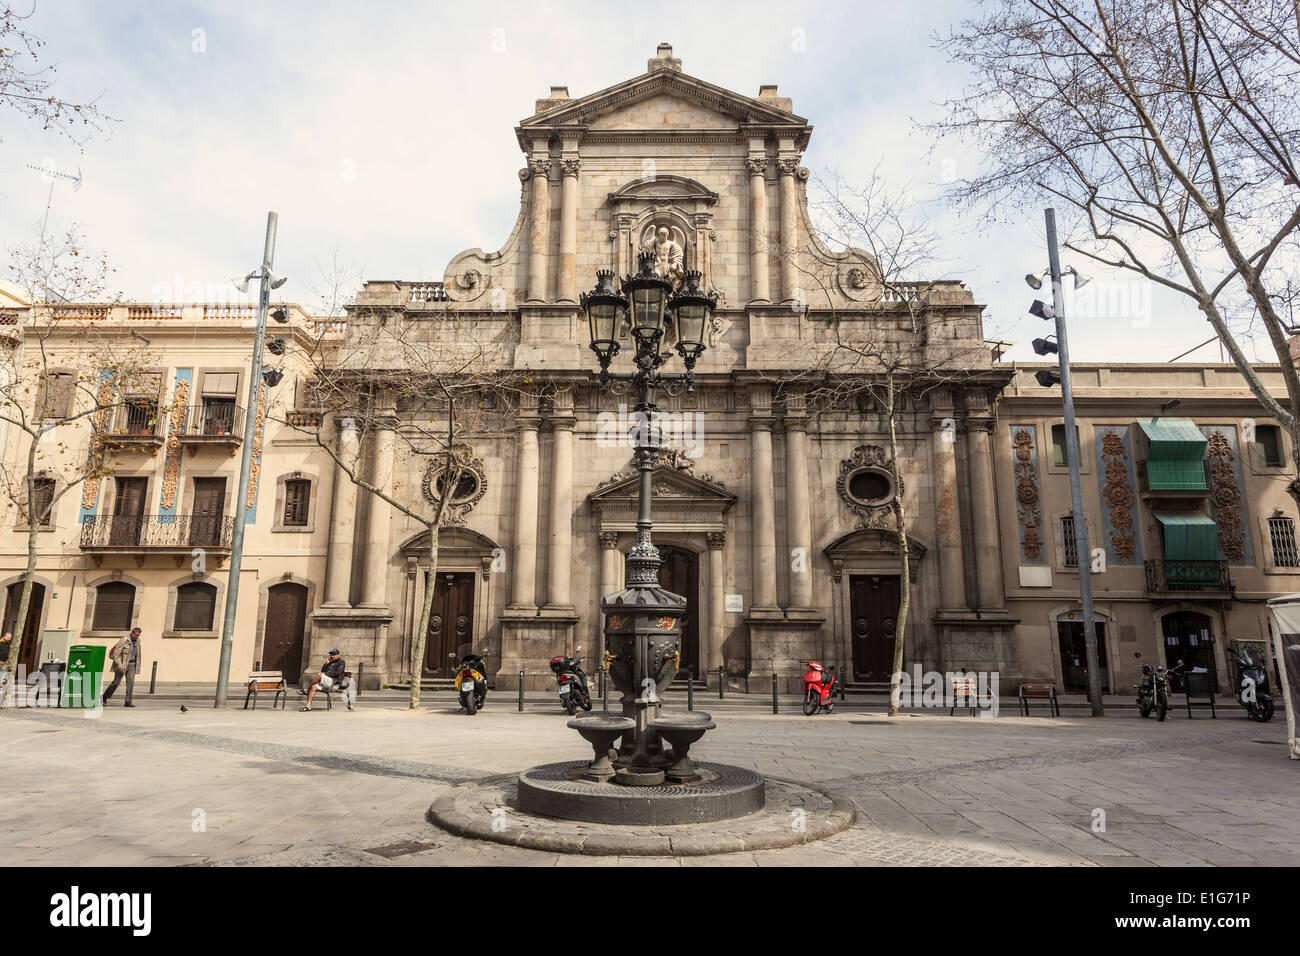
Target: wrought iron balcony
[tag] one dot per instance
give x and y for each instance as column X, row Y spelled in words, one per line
column 155, row 534
column 213, row 423
column 1181, row 576
column 134, row 423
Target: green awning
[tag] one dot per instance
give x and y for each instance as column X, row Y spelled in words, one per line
column 1175, row 454
column 1189, row 537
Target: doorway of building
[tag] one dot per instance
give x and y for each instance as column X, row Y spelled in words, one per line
column 128, row 511
column 209, row 503
column 282, row 640
column 873, row 600
column 1074, row 657
column 31, row 628
column 680, row 573
column 1189, row 637
column 451, row 621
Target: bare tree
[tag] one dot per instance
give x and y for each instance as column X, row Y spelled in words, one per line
column 1169, row 128
column 27, row 86
column 435, row 381
column 65, row 379
column 883, row 358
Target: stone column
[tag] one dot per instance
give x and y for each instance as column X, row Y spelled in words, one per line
column 984, row 512
column 758, row 283
column 715, row 633
column 559, row 562
column 947, row 511
column 763, row 518
column 523, row 574
column 374, row 591
column 789, row 198
column 539, row 229
column 343, row 519
column 567, row 290
column 798, row 509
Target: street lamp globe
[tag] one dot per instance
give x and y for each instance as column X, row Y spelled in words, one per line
column 648, row 294
column 606, row 309
column 691, row 309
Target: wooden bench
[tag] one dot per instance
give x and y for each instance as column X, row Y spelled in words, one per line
column 337, row 688
column 1198, row 686
column 967, row 688
column 1039, row 691
column 273, row 681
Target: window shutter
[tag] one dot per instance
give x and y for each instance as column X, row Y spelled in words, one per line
column 114, row 603
column 297, row 497
column 195, row 606
column 44, row 496
column 220, row 383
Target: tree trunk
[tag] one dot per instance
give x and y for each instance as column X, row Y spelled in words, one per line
column 904, row 558
column 421, row 632
column 29, row 576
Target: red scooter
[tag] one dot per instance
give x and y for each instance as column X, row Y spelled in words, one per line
column 818, row 689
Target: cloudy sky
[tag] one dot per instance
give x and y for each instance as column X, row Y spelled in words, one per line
column 383, row 133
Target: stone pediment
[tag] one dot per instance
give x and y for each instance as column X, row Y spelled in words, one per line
column 679, row 499
column 661, row 100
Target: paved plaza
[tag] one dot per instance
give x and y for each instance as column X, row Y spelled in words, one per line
column 154, row 786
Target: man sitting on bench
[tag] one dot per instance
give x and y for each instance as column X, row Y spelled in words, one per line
column 329, row 675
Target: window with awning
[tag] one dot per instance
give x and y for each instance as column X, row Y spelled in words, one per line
column 1175, row 454
column 1191, row 548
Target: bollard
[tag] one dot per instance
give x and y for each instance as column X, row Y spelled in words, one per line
column 361, row 669
column 153, row 677
column 776, row 707
column 722, row 680
column 604, row 693
column 521, row 692
column 843, row 695
column 690, row 688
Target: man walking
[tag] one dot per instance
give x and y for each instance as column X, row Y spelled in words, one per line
column 125, row 657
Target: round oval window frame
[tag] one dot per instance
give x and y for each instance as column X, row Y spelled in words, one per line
column 877, row 472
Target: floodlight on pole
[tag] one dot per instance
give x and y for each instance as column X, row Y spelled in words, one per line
column 1034, row 280
column 1042, row 310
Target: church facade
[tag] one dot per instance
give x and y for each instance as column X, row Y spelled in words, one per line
column 772, row 492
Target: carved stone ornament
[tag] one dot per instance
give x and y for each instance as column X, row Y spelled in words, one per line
column 876, row 514
column 1028, row 509
column 757, row 167
column 175, row 451
column 459, row 507
column 1226, row 498
column 1117, row 494
column 675, row 458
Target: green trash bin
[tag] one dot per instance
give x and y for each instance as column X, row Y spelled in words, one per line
column 84, row 680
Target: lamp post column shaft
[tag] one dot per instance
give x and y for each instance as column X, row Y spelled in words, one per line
column 245, row 466
column 1082, row 549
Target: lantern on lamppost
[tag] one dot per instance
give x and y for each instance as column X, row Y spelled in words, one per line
column 643, row 621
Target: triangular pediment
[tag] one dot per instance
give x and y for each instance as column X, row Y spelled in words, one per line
column 675, row 101
column 666, row 483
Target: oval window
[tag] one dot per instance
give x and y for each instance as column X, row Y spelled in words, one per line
column 869, row 486
column 465, row 487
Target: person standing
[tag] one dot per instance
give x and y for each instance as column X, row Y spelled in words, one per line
column 125, row 657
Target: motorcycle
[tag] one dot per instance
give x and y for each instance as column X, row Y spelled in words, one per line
column 1153, row 691
column 1252, row 691
column 471, row 680
column 571, row 682
column 818, row 689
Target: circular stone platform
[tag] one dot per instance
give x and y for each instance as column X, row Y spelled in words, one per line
column 793, row 814
column 558, row 790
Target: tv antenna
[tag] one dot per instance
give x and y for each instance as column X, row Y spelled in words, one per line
column 49, row 172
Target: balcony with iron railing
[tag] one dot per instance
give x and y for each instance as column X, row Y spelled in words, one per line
column 135, row 423
column 213, row 423
column 1185, row 578
column 155, row 534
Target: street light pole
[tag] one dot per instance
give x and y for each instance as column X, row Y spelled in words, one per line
column 245, row 465
column 1083, row 552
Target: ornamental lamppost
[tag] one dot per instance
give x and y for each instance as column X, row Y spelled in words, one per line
column 643, row 622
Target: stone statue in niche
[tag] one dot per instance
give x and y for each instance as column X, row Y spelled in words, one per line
column 667, row 245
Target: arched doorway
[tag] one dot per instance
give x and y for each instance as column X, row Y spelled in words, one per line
column 451, row 622
column 1189, row 637
column 1074, row 653
column 31, row 627
column 680, row 573
column 286, row 620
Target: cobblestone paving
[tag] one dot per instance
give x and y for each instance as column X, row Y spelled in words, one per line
column 154, row 786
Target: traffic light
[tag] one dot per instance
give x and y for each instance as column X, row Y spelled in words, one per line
column 1048, row 377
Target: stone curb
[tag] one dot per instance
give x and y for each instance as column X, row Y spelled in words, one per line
column 445, row 814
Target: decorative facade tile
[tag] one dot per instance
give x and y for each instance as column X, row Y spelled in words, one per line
column 1118, row 499
column 1029, row 509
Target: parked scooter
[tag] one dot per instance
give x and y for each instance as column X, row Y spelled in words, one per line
column 571, row 682
column 1153, row 692
column 818, row 689
column 471, row 680
column 1252, row 691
